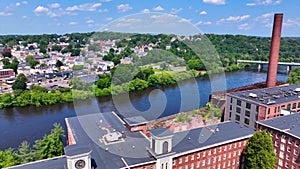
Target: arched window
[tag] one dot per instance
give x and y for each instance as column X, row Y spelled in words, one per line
column 165, row 147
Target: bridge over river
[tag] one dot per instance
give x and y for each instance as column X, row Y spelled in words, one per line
column 289, row 65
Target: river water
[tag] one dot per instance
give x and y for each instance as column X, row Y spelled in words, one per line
column 31, row 123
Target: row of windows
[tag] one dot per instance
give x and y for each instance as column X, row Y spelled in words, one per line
column 202, row 164
column 208, row 160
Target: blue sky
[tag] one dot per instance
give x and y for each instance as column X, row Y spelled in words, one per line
column 247, row 17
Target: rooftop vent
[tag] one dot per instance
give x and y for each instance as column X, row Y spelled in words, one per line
column 271, row 102
column 252, row 95
column 297, row 90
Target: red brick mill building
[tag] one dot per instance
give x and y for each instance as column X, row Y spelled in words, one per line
column 103, row 140
column 285, row 132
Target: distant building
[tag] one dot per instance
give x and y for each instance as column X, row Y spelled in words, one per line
column 6, row 74
column 248, row 107
column 285, row 132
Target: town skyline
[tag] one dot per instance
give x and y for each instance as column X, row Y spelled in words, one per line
column 251, row 17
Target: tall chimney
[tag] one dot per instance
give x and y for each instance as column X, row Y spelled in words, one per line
column 274, row 51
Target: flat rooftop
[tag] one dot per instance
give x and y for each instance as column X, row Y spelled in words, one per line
column 90, row 130
column 289, row 124
column 268, row 96
column 53, row 163
column 209, row 136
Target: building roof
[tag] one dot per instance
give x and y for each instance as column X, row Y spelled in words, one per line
column 209, row 136
column 161, row 132
column 90, row 129
column 53, row 163
column 135, row 120
column 289, row 124
column 268, row 96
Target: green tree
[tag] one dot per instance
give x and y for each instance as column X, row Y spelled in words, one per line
column 259, row 153
column 20, row 82
column 6, row 54
column 56, row 48
column 25, row 153
column 8, row 158
column 294, row 76
column 51, row 145
column 58, row 64
column 104, row 81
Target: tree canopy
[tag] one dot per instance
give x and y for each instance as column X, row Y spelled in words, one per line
column 294, row 76
column 259, row 153
column 20, row 82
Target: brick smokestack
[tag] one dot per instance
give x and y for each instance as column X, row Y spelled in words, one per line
column 274, row 51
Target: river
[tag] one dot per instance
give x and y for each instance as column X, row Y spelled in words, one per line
column 32, row 123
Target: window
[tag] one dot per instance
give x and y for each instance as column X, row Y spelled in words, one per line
column 268, row 110
column 198, row 155
column 287, row 156
column 237, row 118
column 225, row 148
column 294, row 105
column 296, row 143
column 209, row 152
column 230, row 146
column 257, row 108
column 289, row 107
column 275, row 110
column 247, row 113
column 238, row 110
column 288, row 148
column 286, row 164
column 224, row 156
column 180, row 160
column 204, row 153
column 192, row 157
column 230, row 107
column 239, row 102
column 186, row 158
column 246, row 121
column 231, row 100
column 276, row 143
column 198, row 164
column 203, row 163
column 295, row 151
column 298, row 104
column 248, row 105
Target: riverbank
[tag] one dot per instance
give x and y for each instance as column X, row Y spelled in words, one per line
column 41, row 96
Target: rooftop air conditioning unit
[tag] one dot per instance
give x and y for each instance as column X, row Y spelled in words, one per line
column 252, row 95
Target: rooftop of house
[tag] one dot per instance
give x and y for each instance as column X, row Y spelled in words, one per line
column 289, row 124
column 269, row 96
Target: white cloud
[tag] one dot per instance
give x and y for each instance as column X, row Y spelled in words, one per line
column 90, row 21
column 24, row 17
column 203, row 23
column 40, row 9
column 25, row 2
column 237, row 18
column 103, row 10
column 73, row 23
column 18, row 4
column 234, row 19
column 265, row 19
column 203, row 13
column 216, row 2
column 5, row 14
column 158, row 8
column 145, row 11
column 54, row 5
column 244, row 26
column 109, row 19
column 264, row 2
column 105, row 0
column 175, row 11
column 251, row 4
column 292, row 22
column 185, row 20
column 124, row 7
column 84, row 7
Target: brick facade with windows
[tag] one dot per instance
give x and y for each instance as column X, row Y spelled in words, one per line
column 285, row 132
column 248, row 107
column 216, row 157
